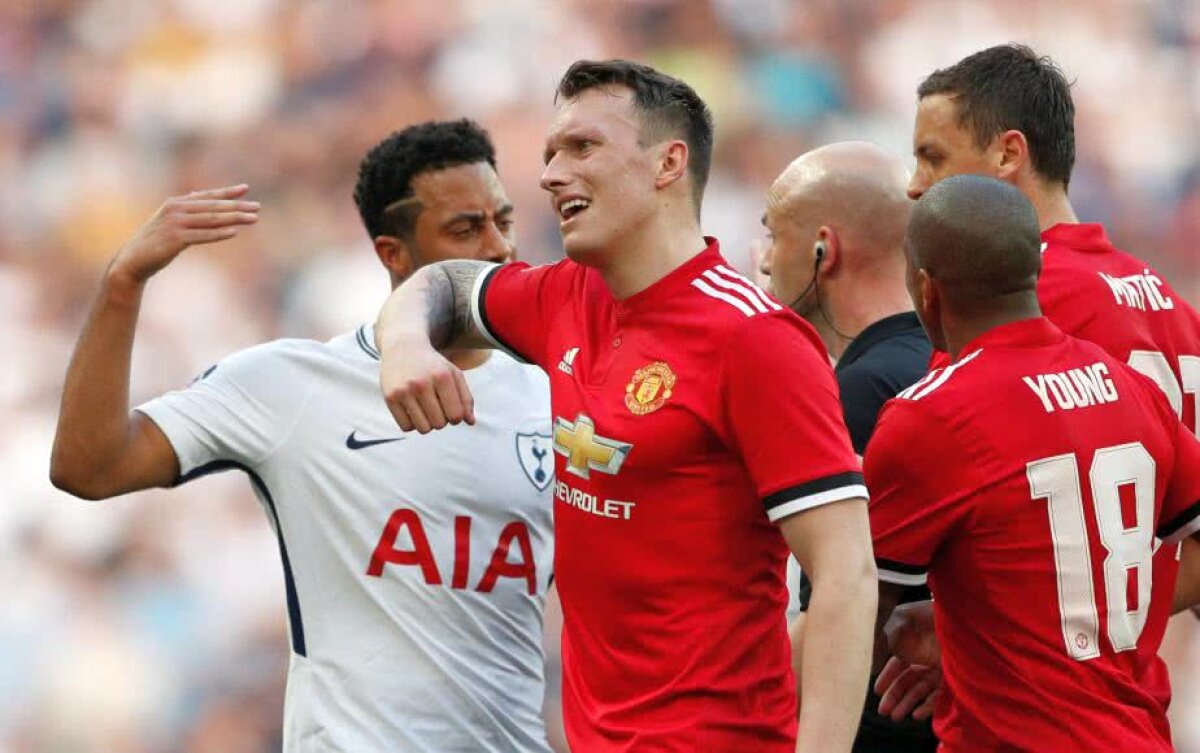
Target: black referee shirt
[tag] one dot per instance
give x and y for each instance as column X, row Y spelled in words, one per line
column 884, row 359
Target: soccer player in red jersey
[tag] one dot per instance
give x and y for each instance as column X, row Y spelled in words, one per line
column 1007, row 113
column 1031, row 481
column 696, row 419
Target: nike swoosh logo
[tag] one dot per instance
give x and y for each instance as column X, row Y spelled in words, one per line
column 354, row 443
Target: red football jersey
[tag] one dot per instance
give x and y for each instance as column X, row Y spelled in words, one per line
column 1032, row 481
column 1092, row 290
column 687, row 418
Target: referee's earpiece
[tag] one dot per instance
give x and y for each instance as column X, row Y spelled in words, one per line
column 819, row 250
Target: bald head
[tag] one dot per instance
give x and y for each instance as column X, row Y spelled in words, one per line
column 978, row 239
column 854, row 187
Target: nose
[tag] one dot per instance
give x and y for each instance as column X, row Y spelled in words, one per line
column 497, row 246
column 918, row 185
column 766, row 251
column 552, row 176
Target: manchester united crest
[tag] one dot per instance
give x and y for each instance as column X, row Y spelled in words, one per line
column 649, row 388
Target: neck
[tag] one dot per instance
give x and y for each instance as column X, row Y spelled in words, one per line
column 1016, row 307
column 650, row 253
column 1052, row 205
column 467, row 359
column 871, row 301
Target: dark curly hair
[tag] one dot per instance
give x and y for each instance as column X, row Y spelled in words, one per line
column 668, row 108
column 1011, row 87
column 386, row 174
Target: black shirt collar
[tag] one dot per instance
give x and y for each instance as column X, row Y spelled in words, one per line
column 885, row 328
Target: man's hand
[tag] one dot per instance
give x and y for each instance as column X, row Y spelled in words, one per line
column 423, row 390
column 911, row 681
column 911, row 636
column 908, row 688
column 199, row 217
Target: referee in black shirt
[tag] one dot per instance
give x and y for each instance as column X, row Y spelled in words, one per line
column 836, row 218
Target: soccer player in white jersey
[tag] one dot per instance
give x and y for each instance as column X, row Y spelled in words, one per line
column 416, row 567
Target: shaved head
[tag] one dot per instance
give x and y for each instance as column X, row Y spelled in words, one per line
column 857, row 188
column 978, row 239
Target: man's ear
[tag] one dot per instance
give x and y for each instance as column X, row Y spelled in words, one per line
column 1012, row 155
column 927, row 292
column 672, row 163
column 396, row 256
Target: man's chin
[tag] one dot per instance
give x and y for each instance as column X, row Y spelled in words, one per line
column 581, row 252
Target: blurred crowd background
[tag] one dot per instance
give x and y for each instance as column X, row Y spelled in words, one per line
column 155, row 623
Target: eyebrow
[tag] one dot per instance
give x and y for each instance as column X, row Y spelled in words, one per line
column 579, row 133
column 475, row 217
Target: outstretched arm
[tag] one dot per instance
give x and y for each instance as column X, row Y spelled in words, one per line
column 431, row 311
column 100, row 448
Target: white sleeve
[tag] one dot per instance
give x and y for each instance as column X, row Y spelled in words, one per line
column 238, row 411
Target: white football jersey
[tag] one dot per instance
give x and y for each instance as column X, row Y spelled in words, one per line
column 416, row 567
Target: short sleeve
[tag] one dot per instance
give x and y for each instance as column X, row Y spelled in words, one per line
column 1181, row 504
column 238, row 411
column 916, row 498
column 783, row 416
column 514, row 304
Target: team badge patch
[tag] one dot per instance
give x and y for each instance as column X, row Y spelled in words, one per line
column 533, row 450
column 649, row 388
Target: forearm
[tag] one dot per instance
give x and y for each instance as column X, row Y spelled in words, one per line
column 796, row 634
column 93, row 422
column 836, row 659
column 431, row 308
column 1187, row 585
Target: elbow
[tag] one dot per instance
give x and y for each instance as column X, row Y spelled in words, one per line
column 75, row 481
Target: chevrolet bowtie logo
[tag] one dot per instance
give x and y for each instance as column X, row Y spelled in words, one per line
column 584, row 451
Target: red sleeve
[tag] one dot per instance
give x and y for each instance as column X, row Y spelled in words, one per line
column 514, row 304
column 916, row 499
column 1180, row 515
column 783, row 416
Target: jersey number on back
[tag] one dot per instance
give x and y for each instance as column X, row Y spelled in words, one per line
column 1128, row 541
column 1155, row 365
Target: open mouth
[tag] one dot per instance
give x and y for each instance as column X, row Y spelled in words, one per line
column 569, row 209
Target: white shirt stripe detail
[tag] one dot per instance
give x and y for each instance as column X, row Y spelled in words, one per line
column 944, row 376
column 800, row 504
column 902, row 579
column 718, row 280
column 907, row 392
column 733, row 275
column 708, row 290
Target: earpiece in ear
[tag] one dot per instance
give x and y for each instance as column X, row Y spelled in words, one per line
column 819, row 250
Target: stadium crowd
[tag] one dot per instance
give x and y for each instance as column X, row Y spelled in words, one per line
column 155, row 622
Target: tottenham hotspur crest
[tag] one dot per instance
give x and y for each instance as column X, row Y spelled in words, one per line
column 535, row 451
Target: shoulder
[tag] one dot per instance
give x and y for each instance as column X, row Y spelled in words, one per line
column 890, row 366
column 729, row 302
column 944, row 387
column 275, row 366
column 907, row 434
column 779, row 338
